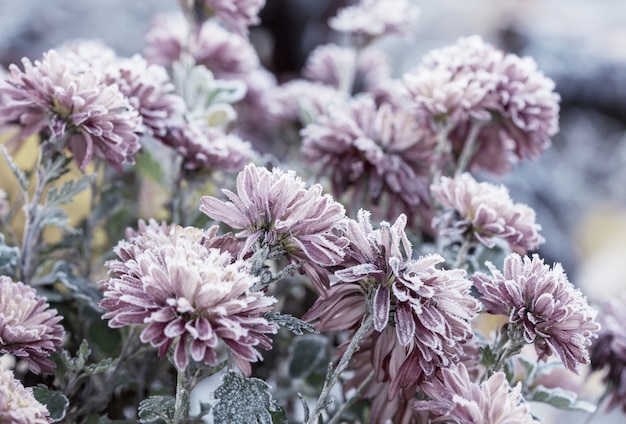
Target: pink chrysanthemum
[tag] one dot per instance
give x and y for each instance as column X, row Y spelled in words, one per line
column 275, row 209
column 543, row 307
column 456, row 398
column 237, row 15
column 609, row 350
column 28, row 328
column 379, row 151
column 375, row 18
column 17, row 403
column 473, row 83
column 485, row 212
column 188, row 295
column 149, row 91
column 52, row 96
column 347, row 69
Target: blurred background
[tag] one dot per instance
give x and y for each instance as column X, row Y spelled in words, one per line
column 578, row 187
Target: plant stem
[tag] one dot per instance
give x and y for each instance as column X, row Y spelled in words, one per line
column 462, row 254
column 469, row 147
column 331, row 380
column 179, row 406
column 355, row 397
column 441, row 149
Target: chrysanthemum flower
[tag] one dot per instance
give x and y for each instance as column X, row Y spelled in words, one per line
column 375, row 18
column 188, row 295
column 456, row 398
column 52, row 96
column 17, row 403
column 29, row 329
column 473, row 83
column 609, row 350
column 237, row 15
column 277, row 210
column 149, row 91
column 348, row 70
column 379, row 151
column 485, row 212
column 543, row 307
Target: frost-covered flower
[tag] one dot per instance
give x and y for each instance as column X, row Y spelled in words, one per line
column 347, row 69
column 379, row 151
column 543, row 307
column 456, row 398
column 188, row 295
column 18, row 404
column 237, row 15
column 29, row 329
column 485, row 212
column 609, row 350
column 149, row 91
column 471, row 84
column 52, row 96
column 88, row 54
column 276, row 209
column 374, row 18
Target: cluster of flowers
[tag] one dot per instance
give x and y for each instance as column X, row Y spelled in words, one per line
column 397, row 151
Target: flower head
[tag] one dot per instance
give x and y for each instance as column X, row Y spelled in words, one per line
column 485, row 212
column 379, row 151
column 609, row 350
column 237, row 15
column 53, row 96
column 543, row 307
column 473, row 84
column 456, row 398
column 17, row 403
column 188, row 294
column 277, row 210
column 28, row 328
column 375, row 18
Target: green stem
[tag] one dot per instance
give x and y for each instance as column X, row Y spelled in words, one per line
column 331, row 380
column 355, row 397
column 469, row 147
column 179, row 406
column 462, row 254
column 441, row 149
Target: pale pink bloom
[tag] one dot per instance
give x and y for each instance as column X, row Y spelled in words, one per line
column 54, row 97
column 543, row 307
column 379, row 152
column 18, row 404
column 347, row 69
column 88, row 54
column 276, row 210
column 375, row 18
column 608, row 352
column 149, row 91
column 474, row 83
column 29, row 329
column 237, row 15
column 456, row 398
column 485, row 212
column 189, row 296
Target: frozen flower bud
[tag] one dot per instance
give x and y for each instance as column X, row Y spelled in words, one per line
column 456, row 398
column 237, row 15
column 485, row 212
column 543, row 307
column 376, row 151
column 29, row 329
column 375, row 18
column 55, row 97
column 277, row 210
column 189, row 296
column 608, row 352
column 473, row 84
column 18, row 404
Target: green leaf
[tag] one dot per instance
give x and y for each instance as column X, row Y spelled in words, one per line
column 80, row 288
column 244, row 400
column 157, row 409
column 100, row 367
column 55, row 168
column 55, row 216
column 8, row 257
column 306, row 353
column 56, row 402
column 149, row 166
column 19, row 174
column 561, row 399
column 68, row 190
column 293, row 324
